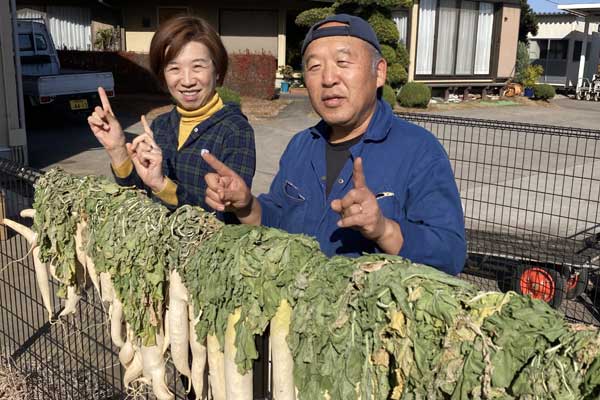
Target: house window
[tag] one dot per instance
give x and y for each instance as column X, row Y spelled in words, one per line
column 400, row 17
column 558, row 49
column 454, row 37
column 577, row 51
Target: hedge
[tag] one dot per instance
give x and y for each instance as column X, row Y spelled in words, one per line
column 414, row 94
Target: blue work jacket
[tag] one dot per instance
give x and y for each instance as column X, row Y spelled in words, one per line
column 405, row 167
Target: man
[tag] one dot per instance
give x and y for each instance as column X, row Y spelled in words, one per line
column 361, row 180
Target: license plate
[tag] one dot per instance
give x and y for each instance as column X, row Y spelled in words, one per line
column 78, row 104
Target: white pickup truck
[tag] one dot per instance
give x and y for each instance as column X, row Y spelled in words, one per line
column 44, row 82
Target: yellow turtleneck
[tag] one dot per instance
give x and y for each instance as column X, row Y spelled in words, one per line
column 189, row 120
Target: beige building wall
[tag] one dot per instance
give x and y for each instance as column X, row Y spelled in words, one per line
column 509, row 37
column 12, row 133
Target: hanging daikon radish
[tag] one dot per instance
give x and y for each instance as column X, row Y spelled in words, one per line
column 216, row 368
column 281, row 355
column 237, row 386
column 178, row 322
column 154, row 368
column 198, row 375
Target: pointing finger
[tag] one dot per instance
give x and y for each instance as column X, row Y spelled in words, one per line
column 358, row 175
column 147, row 127
column 217, row 165
column 104, row 100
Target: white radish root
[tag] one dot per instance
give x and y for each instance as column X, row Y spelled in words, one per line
column 41, row 276
column 216, row 368
column 127, row 352
column 91, row 270
column 115, row 312
column 28, row 213
column 154, row 368
column 167, row 333
column 73, row 298
column 281, row 355
column 198, row 375
column 134, row 370
column 178, row 323
column 79, row 249
column 22, row 230
column 237, row 386
column 107, row 292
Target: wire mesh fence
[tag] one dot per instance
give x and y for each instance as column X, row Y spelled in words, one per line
column 530, row 195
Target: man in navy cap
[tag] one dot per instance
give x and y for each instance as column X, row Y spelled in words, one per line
column 361, row 180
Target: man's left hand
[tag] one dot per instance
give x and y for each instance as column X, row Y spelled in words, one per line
column 359, row 209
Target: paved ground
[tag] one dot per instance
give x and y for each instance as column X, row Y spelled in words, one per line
column 562, row 111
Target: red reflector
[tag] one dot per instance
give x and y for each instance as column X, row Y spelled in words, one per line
column 46, row 99
column 110, row 93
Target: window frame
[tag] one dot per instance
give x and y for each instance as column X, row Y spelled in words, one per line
column 494, row 51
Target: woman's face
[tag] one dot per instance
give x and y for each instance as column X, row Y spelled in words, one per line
column 191, row 76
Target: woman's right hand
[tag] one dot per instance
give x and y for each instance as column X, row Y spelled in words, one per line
column 108, row 131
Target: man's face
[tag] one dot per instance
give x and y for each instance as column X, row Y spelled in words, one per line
column 341, row 81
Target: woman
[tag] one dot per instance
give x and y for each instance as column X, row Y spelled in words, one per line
column 188, row 59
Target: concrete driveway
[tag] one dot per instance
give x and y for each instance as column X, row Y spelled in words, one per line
column 561, row 111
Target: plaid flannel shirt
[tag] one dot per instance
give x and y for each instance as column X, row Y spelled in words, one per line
column 227, row 135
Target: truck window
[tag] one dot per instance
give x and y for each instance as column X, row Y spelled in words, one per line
column 40, row 42
column 25, row 42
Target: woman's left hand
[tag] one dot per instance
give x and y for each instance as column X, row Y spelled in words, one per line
column 147, row 158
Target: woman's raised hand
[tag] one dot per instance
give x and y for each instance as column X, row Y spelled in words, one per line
column 147, row 158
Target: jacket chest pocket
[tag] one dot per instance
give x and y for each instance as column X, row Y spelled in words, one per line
column 388, row 203
column 294, row 208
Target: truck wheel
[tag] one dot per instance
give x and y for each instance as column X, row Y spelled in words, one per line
column 597, row 96
column 577, row 283
column 540, row 283
column 588, row 96
column 579, row 96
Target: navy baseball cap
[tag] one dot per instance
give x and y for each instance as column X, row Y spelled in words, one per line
column 353, row 26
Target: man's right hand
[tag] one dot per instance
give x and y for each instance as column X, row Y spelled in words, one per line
column 227, row 191
column 107, row 130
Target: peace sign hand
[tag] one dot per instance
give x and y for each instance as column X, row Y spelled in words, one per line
column 105, row 125
column 359, row 208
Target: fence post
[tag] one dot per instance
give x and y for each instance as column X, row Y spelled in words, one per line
column 3, row 232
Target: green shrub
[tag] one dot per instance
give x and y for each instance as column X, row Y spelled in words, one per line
column 531, row 74
column 543, row 92
column 389, row 95
column 414, row 94
column 522, row 62
column 403, row 57
column 396, row 75
column 380, row 3
column 389, row 53
column 229, row 95
column 384, row 28
column 310, row 17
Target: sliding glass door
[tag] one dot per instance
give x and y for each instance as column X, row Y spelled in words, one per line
column 454, row 37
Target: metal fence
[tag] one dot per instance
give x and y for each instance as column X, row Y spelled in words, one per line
column 530, row 195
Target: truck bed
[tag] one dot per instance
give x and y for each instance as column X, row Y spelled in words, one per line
column 536, row 248
column 68, row 82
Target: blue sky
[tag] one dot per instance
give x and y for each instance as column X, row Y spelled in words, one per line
column 549, row 6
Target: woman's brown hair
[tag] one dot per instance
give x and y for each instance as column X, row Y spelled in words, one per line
column 174, row 34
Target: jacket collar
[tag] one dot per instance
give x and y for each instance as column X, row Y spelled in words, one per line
column 378, row 129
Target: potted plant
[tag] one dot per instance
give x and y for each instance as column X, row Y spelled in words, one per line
column 531, row 74
column 287, row 72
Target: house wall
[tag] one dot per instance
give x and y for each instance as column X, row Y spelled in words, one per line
column 12, row 129
column 569, row 27
column 509, row 37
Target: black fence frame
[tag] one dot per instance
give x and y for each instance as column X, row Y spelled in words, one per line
column 531, row 200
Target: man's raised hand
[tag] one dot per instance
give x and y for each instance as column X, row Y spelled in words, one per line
column 359, row 208
column 225, row 190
